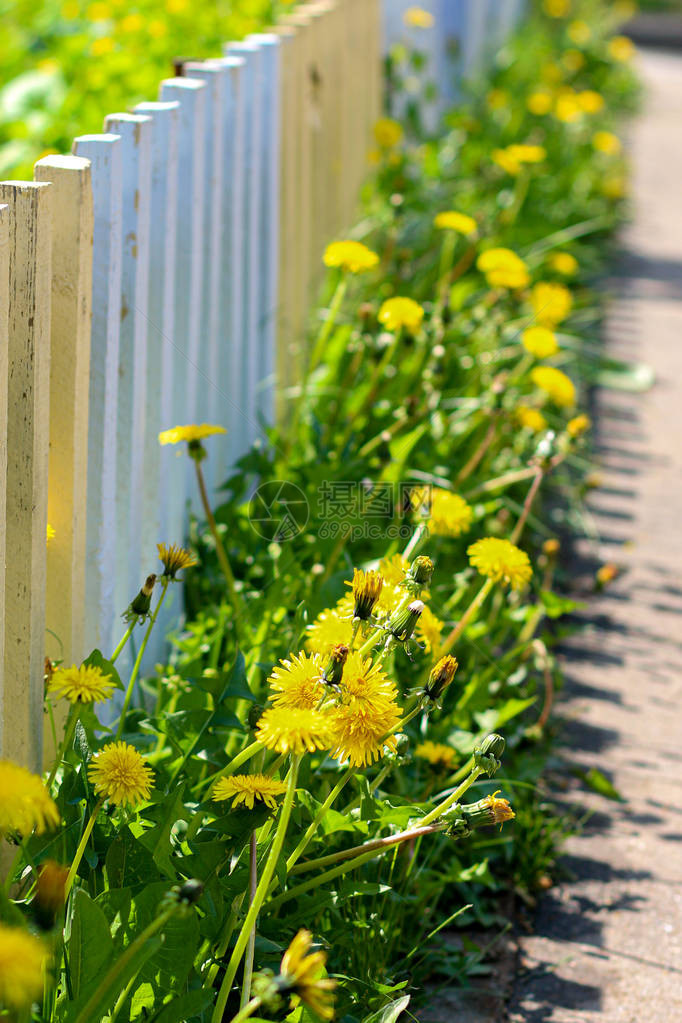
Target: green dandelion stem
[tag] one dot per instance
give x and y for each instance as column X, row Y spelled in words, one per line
column 359, row 850
column 122, row 642
column 461, row 625
column 527, row 505
column 237, row 761
column 260, row 894
column 251, row 947
column 71, row 721
column 439, row 810
column 223, row 559
column 246, row 1010
column 73, row 869
column 138, row 660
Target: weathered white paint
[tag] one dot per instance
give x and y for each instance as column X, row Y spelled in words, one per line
column 72, row 235
column 104, row 154
column 4, row 348
column 187, row 287
column 246, row 425
column 28, row 400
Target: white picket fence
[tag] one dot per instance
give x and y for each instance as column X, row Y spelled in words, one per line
column 162, row 274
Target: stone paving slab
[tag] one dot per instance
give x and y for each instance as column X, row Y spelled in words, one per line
column 607, row 944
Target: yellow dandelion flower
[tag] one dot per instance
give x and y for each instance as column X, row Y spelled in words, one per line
column 301, row 975
column 174, row 559
column 579, row 425
column 246, row 788
column 452, row 220
column 417, row 17
column 49, row 533
column 102, row 46
column 567, row 108
column 351, row 256
column 399, row 312
column 449, row 514
column 498, row 809
column 331, row 627
column 367, row 711
column 50, row 894
column 557, row 386
column 526, row 153
column 86, row 684
column 579, row 32
column 504, row 159
column 539, row 102
column 367, row 587
column 497, row 99
column 190, row 433
column 25, row 803
column 503, row 268
column 591, row 102
column 606, row 142
column 563, row 263
column 573, row 60
column 388, row 133
column 436, row 753
column 551, row 303
column 607, row 573
column 131, row 23
column 540, row 342
column 621, row 48
column 530, row 418
column 551, row 547
column 501, row 561
column 23, row 959
column 119, row 773
column 296, row 682
column 429, row 630
column 614, row 186
column 393, row 569
column 293, row 730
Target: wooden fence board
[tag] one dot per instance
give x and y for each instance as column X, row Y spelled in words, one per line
column 4, row 348
column 132, row 563
column 72, row 236
column 28, row 357
column 104, row 153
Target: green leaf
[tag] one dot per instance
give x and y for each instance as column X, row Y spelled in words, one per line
column 556, row 606
column 180, row 1009
column 97, row 660
column 598, row 782
column 390, row 1012
column 90, row 948
column 157, row 840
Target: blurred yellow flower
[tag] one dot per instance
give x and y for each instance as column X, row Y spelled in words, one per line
column 452, row 220
column 563, row 263
column 436, row 753
column 429, row 630
column 497, row 99
column 399, row 312
column 556, row 8
column 530, row 418
column 556, row 385
column 501, row 561
column 23, row 960
column 387, row 132
column 551, row 303
column 49, row 533
column 621, row 48
column 25, row 803
column 190, row 433
column 351, row 256
column 573, row 60
column 567, row 108
column 591, row 102
column 100, row 47
column 614, row 186
column 417, row 17
column 332, row 626
column 131, row 23
column 98, row 12
column 301, row 976
column 539, row 102
column 509, row 164
column 503, row 268
column 525, row 153
column 540, row 342
column 606, row 142
column 579, row 32
column 449, row 514
column 393, row 569
column 578, row 425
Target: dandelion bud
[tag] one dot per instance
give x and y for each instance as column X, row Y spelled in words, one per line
column 550, row 548
column 401, row 746
column 139, row 607
column 191, row 891
column 489, row 810
column 605, row 575
column 420, row 571
column 486, row 754
column 440, row 678
column 402, row 623
column 50, row 894
column 333, row 672
column 367, row 587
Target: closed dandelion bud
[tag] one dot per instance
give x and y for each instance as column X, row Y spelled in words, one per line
column 551, row 548
column 333, row 672
column 489, row 810
column 139, row 607
column 266, row 987
column 458, row 826
column 487, row 753
column 50, row 895
column 420, row 572
column 367, row 587
column 440, row 678
column 402, row 623
column 399, row 753
column 191, row 891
